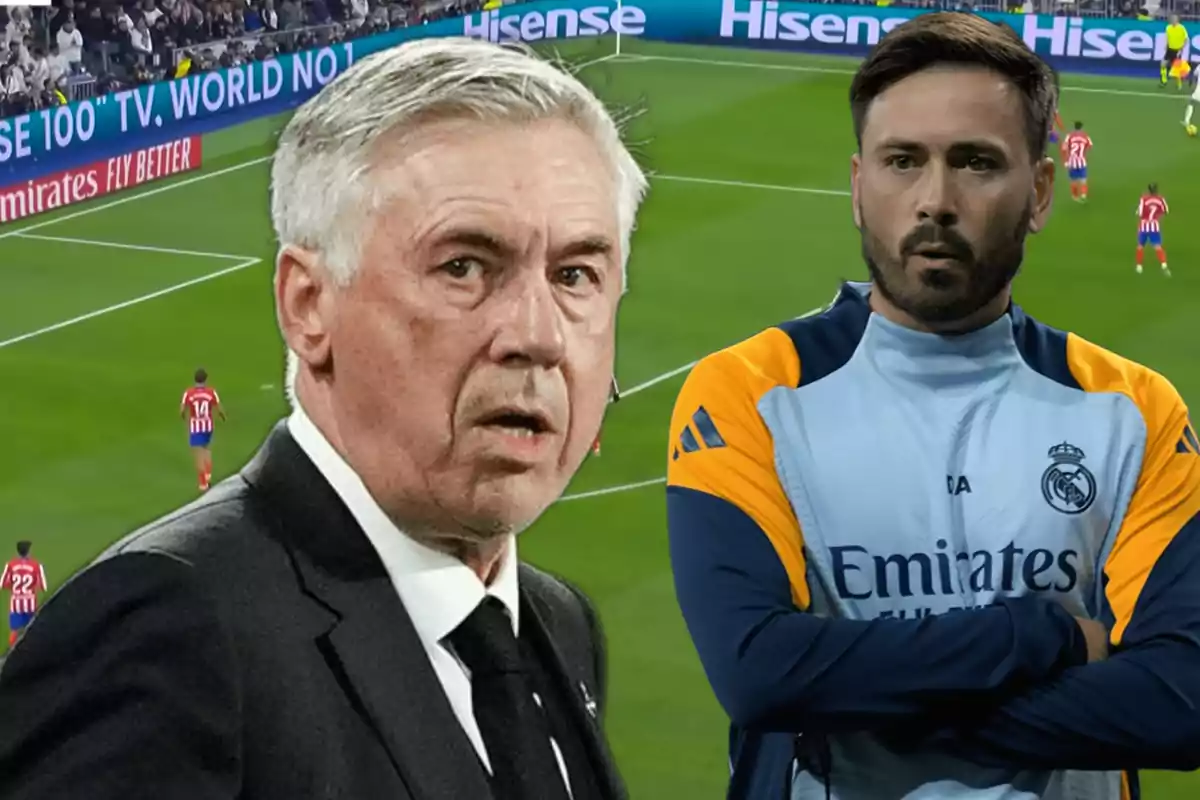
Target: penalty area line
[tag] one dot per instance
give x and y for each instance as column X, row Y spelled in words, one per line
column 144, row 248
column 671, row 373
column 66, row 323
column 624, row 487
column 657, row 379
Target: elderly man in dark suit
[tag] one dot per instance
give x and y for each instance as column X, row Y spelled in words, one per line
column 347, row 617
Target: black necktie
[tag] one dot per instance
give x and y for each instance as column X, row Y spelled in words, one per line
column 515, row 732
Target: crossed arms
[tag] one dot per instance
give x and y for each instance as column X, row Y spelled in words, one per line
column 1009, row 685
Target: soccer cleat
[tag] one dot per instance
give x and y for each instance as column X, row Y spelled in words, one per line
column 1166, row 271
column 1138, row 267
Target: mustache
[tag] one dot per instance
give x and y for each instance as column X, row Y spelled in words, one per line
column 934, row 234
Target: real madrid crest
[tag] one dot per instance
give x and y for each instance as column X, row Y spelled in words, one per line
column 1067, row 485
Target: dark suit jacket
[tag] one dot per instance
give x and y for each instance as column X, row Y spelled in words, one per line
column 251, row 645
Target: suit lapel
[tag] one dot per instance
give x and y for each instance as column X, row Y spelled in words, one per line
column 581, row 698
column 371, row 645
column 389, row 672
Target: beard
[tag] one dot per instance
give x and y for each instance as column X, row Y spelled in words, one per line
column 939, row 298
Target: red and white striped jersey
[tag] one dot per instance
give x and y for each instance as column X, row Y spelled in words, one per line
column 24, row 577
column 1076, row 147
column 200, row 402
column 1151, row 209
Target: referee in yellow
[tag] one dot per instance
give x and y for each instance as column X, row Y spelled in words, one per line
column 1177, row 37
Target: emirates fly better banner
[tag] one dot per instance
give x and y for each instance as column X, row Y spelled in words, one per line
column 92, row 130
column 70, row 186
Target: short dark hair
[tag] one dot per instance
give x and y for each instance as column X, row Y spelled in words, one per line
column 1078, row 125
column 1152, row 188
column 23, row 548
column 954, row 37
column 201, row 375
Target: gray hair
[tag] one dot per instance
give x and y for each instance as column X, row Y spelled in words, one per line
column 321, row 194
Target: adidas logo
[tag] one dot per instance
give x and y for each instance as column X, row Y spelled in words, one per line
column 705, row 428
column 1188, row 443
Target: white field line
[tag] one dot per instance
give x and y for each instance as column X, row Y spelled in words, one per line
column 671, row 373
column 250, row 262
column 246, row 261
column 624, row 487
column 657, row 379
column 122, row 246
column 129, row 198
column 773, row 187
column 602, row 59
column 716, row 62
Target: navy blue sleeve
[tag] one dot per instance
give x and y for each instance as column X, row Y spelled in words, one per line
column 124, row 685
column 775, row 667
column 1139, row 709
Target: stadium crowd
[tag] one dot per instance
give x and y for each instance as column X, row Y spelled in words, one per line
column 79, row 48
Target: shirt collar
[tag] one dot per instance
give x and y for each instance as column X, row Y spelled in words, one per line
column 438, row 591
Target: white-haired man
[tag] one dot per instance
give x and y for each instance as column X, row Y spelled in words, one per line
column 347, row 617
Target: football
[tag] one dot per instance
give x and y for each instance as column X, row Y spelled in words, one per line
column 1191, row 130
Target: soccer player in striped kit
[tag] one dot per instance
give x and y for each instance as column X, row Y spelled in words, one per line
column 199, row 404
column 1075, row 151
column 24, row 577
column 1151, row 208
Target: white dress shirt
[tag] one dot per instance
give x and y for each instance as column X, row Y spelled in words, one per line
column 438, row 591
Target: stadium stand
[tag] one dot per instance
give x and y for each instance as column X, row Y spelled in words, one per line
column 83, row 48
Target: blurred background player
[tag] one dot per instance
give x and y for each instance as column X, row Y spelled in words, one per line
column 1177, row 37
column 1058, row 129
column 613, row 396
column 1191, row 106
column 1151, row 209
column 199, row 404
column 25, row 578
column 1075, row 150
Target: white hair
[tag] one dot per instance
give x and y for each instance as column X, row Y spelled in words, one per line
column 321, row 194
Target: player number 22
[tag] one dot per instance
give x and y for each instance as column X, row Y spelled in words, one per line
column 22, row 584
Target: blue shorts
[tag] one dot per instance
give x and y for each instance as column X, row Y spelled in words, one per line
column 1149, row 237
column 200, row 439
column 1077, row 173
column 17, row 621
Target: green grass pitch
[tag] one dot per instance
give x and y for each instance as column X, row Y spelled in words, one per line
column 748, row 223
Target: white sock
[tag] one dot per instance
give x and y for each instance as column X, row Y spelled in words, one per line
column 1187, row 115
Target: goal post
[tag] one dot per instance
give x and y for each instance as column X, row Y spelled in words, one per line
column 617, row 52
